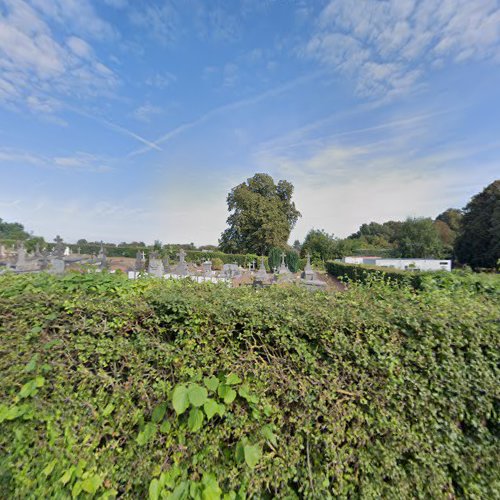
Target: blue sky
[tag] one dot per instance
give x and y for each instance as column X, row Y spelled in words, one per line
column 123, row 120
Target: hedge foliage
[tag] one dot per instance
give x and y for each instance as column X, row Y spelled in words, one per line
column 170, row 389
column 419, row 280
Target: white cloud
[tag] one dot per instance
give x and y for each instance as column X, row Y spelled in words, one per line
column 161, row 80
column 146, row 112
column 386, row 46
column 35, row 68
column 78, row 162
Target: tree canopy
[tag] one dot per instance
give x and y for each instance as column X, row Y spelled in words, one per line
column 12, row 231
column 262, row 216
column 418, row 238
column 479, row 241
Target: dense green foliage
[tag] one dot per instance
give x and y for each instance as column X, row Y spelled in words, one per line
column 12, row 231
column 262, row 216
column 292, row 261
column 323, row 246
column 418, row 238
column 152, row 387
column 419, row 280
column 274, row 257
column 479, row 241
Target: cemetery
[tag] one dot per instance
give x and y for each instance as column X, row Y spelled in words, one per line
column 61, row 259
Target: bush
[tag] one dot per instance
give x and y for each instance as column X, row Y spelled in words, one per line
column 292, row 261
column 113, row 387
column 419, row 280
column 274, row 258
column 217, row 264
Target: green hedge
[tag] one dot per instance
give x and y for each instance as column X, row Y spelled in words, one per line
column 419, row 280
column 136, row 388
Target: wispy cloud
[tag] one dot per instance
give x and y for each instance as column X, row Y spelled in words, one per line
column 146, row 112
column 78, row 162
column 387, row 47
column 281, row 89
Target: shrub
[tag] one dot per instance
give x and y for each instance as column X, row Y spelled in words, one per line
column 274, row 258
column 141, row 388
column 292, row 261
column 217, row 263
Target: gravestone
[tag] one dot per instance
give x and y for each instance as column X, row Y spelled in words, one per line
column 58, row 250
column 67, row 251
column 155, row 267
column 21, row 257
column 308, row 273
column 261, row 277
column 207, row 268
column 140, row 261
column 230, row 270
column 283, row 267
column 309, row 277
column 182, row 269
column 56, row 265
column 3, row 251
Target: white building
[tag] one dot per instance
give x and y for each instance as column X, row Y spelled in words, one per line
column 365, row 259
column 404, row 264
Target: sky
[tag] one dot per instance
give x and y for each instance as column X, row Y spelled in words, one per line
column 131, row 121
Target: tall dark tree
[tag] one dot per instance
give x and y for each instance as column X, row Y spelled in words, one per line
column 262, row 215
column 478, row 243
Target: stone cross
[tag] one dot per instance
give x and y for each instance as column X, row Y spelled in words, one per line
column 182, row 256
column 59, row 246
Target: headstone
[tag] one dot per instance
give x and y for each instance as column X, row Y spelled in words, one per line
column 58, row 247
column 56, row 265
column 261, row 277
column 21, row 257
column 308, row 273
column 309, row 277
column 207, row 268
column 283, row 267
column 3, row 252
column 182, row 268
column 79, row 251
column 230, row 270
column 140, row 261
column 155, row 267
column 67, row 251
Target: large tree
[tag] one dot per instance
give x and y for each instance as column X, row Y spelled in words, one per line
column 12, row 231
column 478, row 243
column 262, row 215
column 418, row 238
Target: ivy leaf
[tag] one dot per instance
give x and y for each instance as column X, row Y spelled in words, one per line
column 165, row 427
column 252, row 454
column 154, row 489
column 147, row 434
column 68, row 474
column 239, row 452
column 195, row 420
column 180, row 400
column 211, row 383
column 268, row 433
column 233, row 379
column 226, row 393
column 159, row 412
column 31, row 388
column 108, row 410
column 197, row 395
column 50, row 467
column 211, row 490
column 92, row 484
column 244, row 392
column 32, row 364
column 211, row 407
